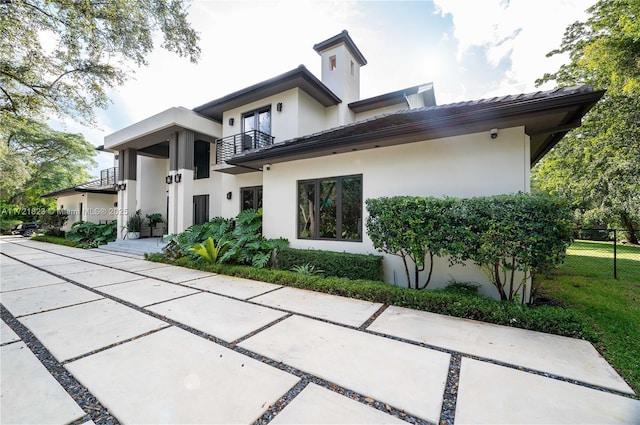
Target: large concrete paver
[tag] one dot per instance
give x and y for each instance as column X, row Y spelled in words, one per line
column 174, row 274
column 22, row 277
column 73, row 331
column 347, row 311
column 29, row 394
column 97, row 278
column 146, row 291
column 177, row 377
column 7, row 261
column 562, row 356
column 492, row 394
column 70, row 269
column 405, row 376
column 7, row 334
column 222, row 317
column 35, row 300
column 53, row 260
column 137, row 265
column 317, row 405
column 236, row 287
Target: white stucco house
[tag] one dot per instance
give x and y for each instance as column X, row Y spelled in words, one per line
column 93, row 201
column 310, row 151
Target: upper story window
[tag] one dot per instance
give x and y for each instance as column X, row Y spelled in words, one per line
column 330, row 208
column 332, row 62
column 201, row 159
column 258, row 120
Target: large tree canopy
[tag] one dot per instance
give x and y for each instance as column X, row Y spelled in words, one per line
column 35, row 159
column 60, row 56
column 596, row 166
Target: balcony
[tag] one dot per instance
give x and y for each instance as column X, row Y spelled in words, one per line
column 109, row 177
column 231, row 146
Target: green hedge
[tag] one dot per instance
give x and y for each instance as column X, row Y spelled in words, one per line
column 340, row 264
column 55, row 239
column 543, row 319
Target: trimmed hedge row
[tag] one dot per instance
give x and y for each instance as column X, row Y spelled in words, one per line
column 55, row 240
column 340, row 264
column 553, row 320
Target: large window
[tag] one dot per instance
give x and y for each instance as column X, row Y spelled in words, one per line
column 250, row 198
column 201, row 159
column 256, row 128
column 330, row 208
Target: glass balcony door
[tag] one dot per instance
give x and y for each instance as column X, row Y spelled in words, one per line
column 260, row 120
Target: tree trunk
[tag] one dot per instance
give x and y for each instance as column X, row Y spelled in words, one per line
column 632, row 233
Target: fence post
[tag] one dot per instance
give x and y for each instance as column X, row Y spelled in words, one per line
column 615, row 244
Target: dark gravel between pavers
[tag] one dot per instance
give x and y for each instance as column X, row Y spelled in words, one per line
column 94, row 410
column 450, row 393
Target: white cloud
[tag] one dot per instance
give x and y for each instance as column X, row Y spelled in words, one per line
column 519, row 31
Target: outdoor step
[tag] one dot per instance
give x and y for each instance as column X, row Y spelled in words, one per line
column 135, row 246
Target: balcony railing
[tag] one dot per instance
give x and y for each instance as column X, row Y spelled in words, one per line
column 231, row 146
column 108, row 176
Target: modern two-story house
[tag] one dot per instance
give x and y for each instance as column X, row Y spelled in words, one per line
column 309, row 151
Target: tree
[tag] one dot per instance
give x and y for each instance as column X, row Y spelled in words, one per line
column 596, row 166
column 61, row 57
column 35, row 159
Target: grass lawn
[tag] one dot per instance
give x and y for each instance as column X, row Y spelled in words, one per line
column 585, row 283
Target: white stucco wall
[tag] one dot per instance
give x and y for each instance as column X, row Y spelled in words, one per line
column 230, row 183
column 284, row 124
column 462, row 166
column 151, row 186
column 96, row 207
column 100, row 208
column 380, row 111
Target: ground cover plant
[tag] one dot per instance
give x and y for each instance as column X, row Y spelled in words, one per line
column 91, row 235
column 584, row 283
column 241, row 241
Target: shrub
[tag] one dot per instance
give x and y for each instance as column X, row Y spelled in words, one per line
column 246, row 245
column 55, row 239
column 54, row 221
column 340, row 264
column 91, row 235
column 503, row 235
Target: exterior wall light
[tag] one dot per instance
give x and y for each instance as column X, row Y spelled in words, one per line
column 229, row 195
column 122, row 186
column 279, row 107
column 178, row 178
column 168, row 179
column 231, row 121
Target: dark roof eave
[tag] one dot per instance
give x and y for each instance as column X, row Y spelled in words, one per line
column 486, row 115
column 286, row 81
column 386, row 99
column 348, row 41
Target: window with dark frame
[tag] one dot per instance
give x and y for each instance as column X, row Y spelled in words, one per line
column 201, row 159
column 256, row 129
column 250, row 198
column 200, row 209
column 330, row 208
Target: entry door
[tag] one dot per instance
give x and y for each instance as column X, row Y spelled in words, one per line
column 200, row 209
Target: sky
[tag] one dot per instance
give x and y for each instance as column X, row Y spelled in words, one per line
column 469, row 49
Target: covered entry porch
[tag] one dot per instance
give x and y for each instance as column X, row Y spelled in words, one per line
column 158, row 160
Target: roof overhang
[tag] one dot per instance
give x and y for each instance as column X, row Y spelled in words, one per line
column 158, row 128
column 74, row 190
column 296, row 78
column 546, row 116
column 394, row 98
column 343, row 37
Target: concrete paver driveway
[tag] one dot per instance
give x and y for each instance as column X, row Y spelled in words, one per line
column 110, row 338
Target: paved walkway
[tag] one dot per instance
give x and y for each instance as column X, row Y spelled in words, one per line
column 90, row 336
